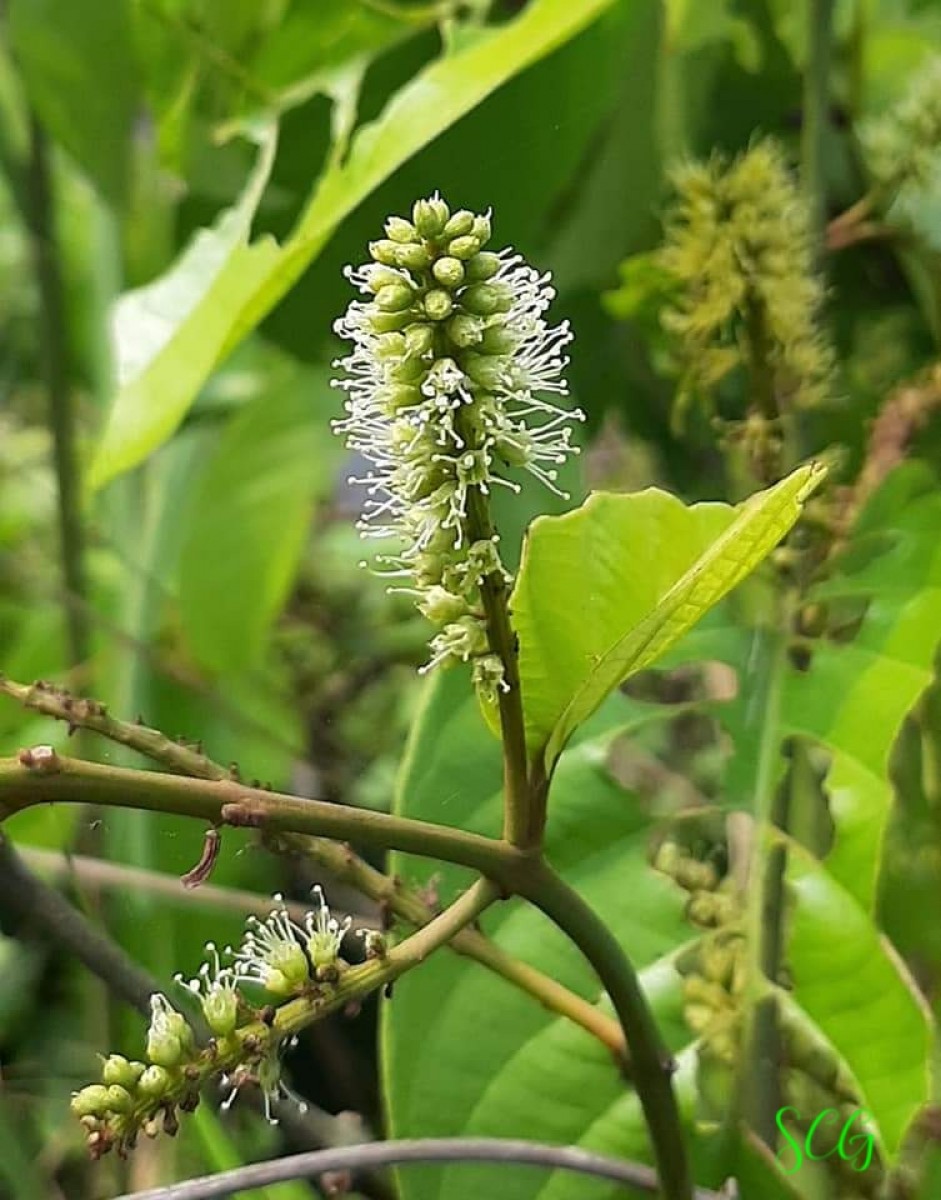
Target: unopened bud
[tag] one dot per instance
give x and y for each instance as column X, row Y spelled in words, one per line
column 449, row 271
column 438, row 304
column 401, row 231
column 461, row 223
column 430, row 216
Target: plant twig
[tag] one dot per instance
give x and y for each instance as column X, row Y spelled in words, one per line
column 340, row 859
column 507, row 1151
column 651, row 1063
column 816, row 114
column 758, row 1078
column 80, row 713
column 104, row 874
column 407, row 903
column 40, row 776
column 40, row 219
column 524, row 819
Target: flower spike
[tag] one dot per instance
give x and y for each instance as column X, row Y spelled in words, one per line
column 446, row 388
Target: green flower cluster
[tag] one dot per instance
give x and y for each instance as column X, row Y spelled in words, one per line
column 446, row 387
column 285, row 958
column 902, row 147
column 739, row 258
column 714, row 984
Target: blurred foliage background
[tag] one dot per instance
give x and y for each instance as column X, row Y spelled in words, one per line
column 205, row 572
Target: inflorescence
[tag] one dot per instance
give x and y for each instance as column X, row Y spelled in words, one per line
column 739, row 246
column 289, row 960
column 446, row 387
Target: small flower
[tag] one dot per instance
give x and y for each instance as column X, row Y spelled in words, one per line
column 447, row 387
column 272, row 953
column 267, row 1074
column 282, row 955
column 169, row 1037
column 324, row 935
column 902, row 147
column 218, row 995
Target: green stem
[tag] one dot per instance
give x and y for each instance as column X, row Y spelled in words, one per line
column 817, row 114
column 759, row 1083
column 40, row 776
column 523, row 819
column 40, row 218
column 343, row 862
column 407, row 904
column 652, row 1065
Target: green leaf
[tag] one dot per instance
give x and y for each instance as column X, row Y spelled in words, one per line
column 605, row 590
column 857, row 991
column 77, row 59
column 166, row 334
column 248, row 280
column 856, row 695
column 246, row 528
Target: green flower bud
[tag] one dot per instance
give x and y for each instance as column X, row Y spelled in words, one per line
column 463, row 247
column 401, row 396
column 515, row 448
column 419, row 339
column 430, row 216
column 482, row 267
column 462, row 222
column 408, row 370
column 401, row 231
column 391, row 345
column 91, row 1101
column 438, row 304
column 441, row 606
column 698, row 1017
column 119, row 1099
column 413, row 257
column 169, row 1037
column 487, row 299
column 383, row 322
column 384, row 251
column 117, row 1069
column 395, row 297
column 154, row 1083
column 465, row 330
column 488, row 372
column 379, row 277
column 498, row 340
column 448, row 271
column 481, row 230
column 221, row 1010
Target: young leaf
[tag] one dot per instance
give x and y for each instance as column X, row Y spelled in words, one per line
column 605, row 590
